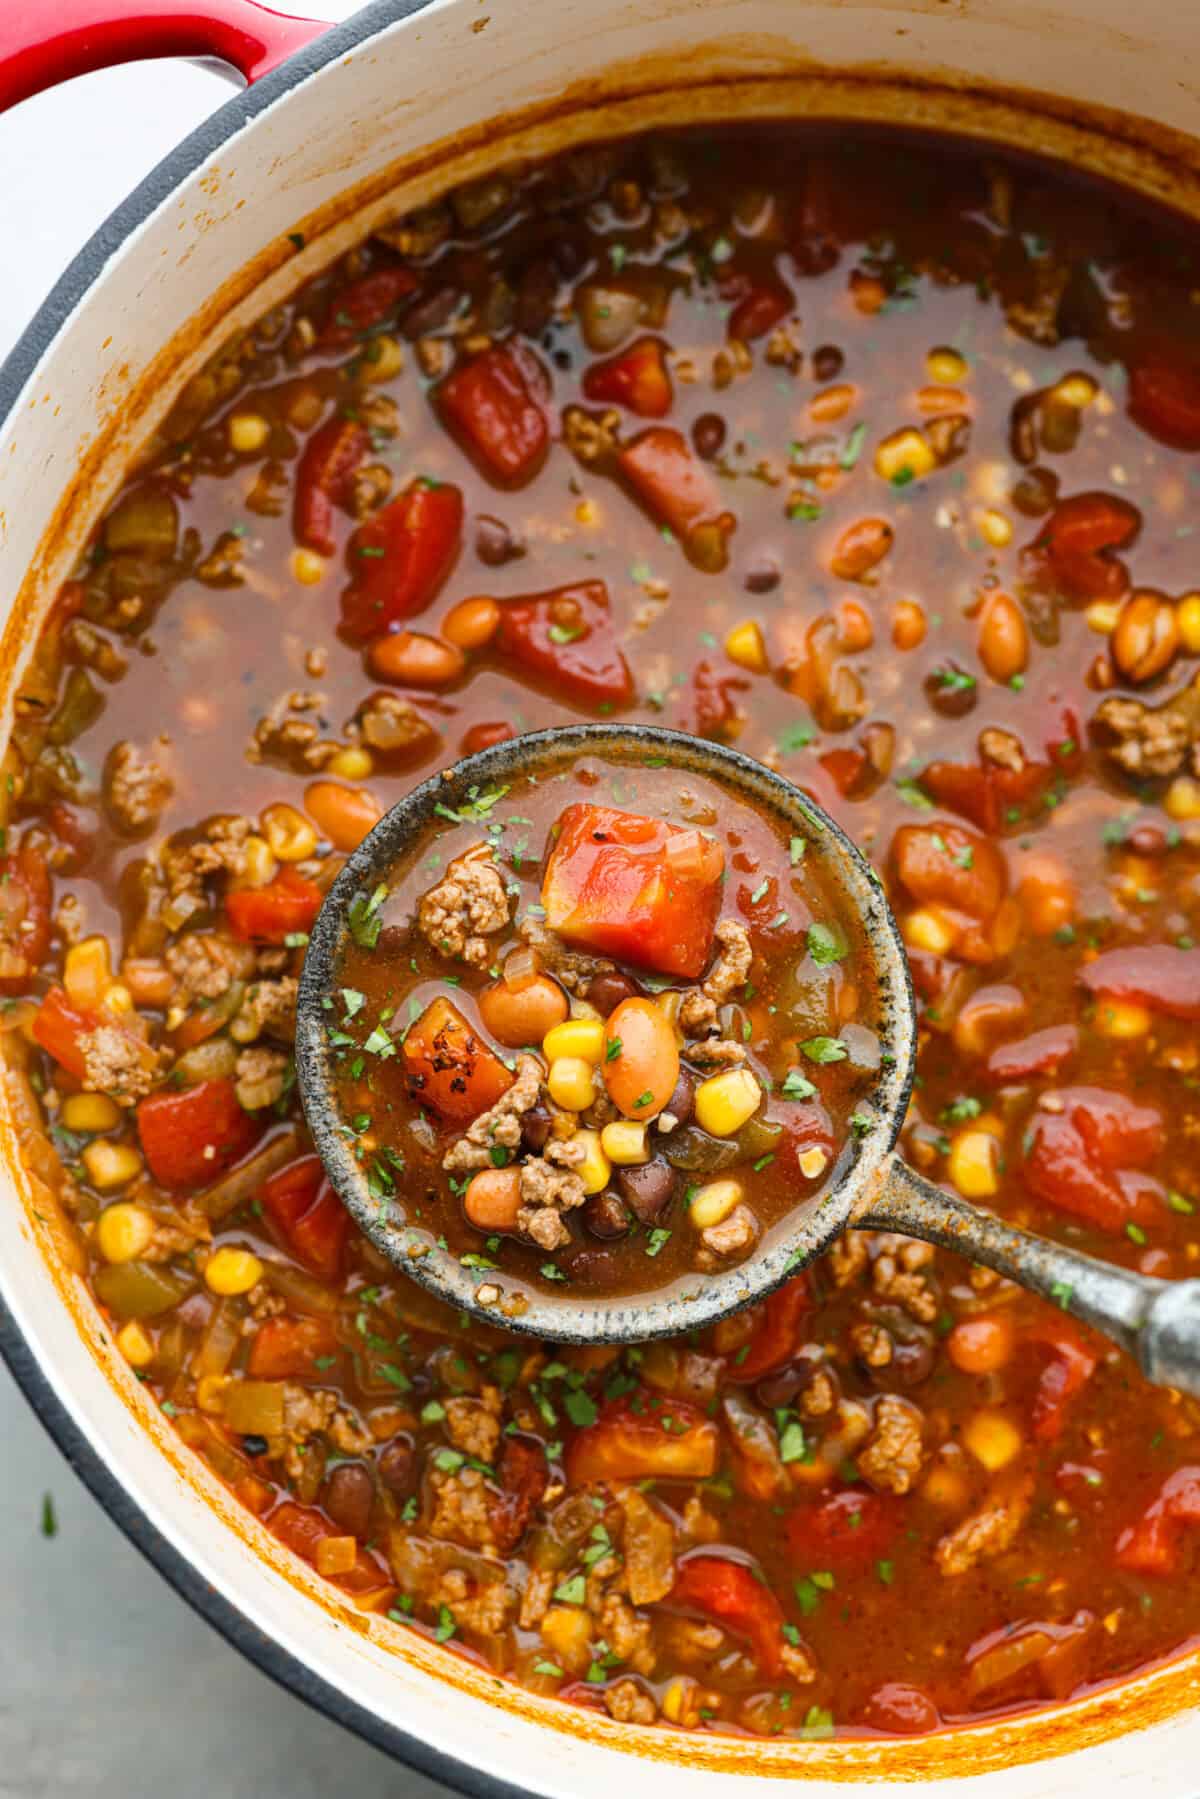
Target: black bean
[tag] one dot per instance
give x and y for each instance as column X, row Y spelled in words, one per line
column 255, row 1445
column 536, row 1126
column 648, row 1190
column 537, row 291
column 951, row 691
column 495, row 544
column 605, row 1217
column 347, row 1496
column 398, row 1466
column 763, row 576
column 781, row 1387
column 606, row 991
column 828, row 362
column 683, row 1098
column 431, row 312
column 708, row 435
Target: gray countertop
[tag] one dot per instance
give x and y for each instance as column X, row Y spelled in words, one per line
column 109, row 1685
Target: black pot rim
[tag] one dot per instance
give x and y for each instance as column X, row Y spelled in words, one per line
column 73, row 286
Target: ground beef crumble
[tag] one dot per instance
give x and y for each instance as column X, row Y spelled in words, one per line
column 986, row 1533
column 891, row 1458
column 119, row 1064
column 500, row 1125
column 137, row 785
column 472, row 903
column 698, row 1011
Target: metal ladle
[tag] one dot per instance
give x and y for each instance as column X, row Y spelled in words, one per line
column 1156, row 1321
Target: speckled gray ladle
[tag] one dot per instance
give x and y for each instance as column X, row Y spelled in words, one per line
column 1157, row 1321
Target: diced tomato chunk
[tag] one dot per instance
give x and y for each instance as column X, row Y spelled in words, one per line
column 631, row 1441
column 191, row 1135
column 496, row 406
column 778, row 1335
column 1078, row 539
column 947, row 865
column 1068, row 1371
column 25, row 901
column 566, row 635
column 523, row 1478
column 271, row 914
column 291, row 1348
column 449, row 1066
column 1043, row 1052
column 302, row 1529
column 716, row 712
column 1164, row 399
column 58, row 1025
column 901, row 1710
column 990, row 797
column 1076, row 1154
column 1154, row 1544
column 365, row 303
column 678, row 491
column 844, row 1530
column 634, row 888
column 1156, row 975
column 732, row 1594
column 637, row 378
column 401, row 557
column 301, row 1203
column 323, row 481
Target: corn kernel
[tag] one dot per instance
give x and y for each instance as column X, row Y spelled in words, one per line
column 587, row 513
column 210, row 1393
column 1120, row 1018
column 926, row 929
column 1187, row 617
column 595, row 1169
column 945, row 1487
column 123, row 1231
column 117, row 1000
column 259, row 865
column 570, row 1083
column 972, row 1164
column 290, row 835
column 1182, row 799
column 904, row 456
column 566, row 1631
column 714, row 1202
column 382, row 359
column 582, row 1038
column 624, row 1143
column 812, row 1162
column 946, row 367
column 336, row 1555
column 1101, row 616
column 229, row 1271
column 675, row 1698
column 135, row 1344
column 87, row 971
column 725, row 1101
column 993, row 1440
column 744, row 645
column 307, row 567
column 89, row 1113
column 352, row 764
column 996, row 528
column 248, row 431
column 111, row 1165
column 1077, row 391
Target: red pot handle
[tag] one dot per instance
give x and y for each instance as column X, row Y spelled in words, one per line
column 41, row 45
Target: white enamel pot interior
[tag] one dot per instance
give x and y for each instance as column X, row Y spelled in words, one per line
column 406, row 98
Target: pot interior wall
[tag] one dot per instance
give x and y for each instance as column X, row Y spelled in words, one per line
column 373, row 129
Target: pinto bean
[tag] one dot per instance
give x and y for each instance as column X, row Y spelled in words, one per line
column 472, row 623
column 605, row 1217
column 860, row 548
column 493, row 1199
column 347, row 1495
column 1003, row 637
column 415, row 660
column 908, row 625
column 517, row 1012
column 1145, row 641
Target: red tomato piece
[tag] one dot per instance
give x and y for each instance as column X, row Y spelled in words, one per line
column 634, row 888
column 401, row 557
column 301, row 1203
column 991, row 797
column 1078, row 539
column 1075, row 1155
column 302, row 1528
column 25, row 901
column 637, row 378
column 482, row 736
column 1153, row 1545
column 1154, row 974
column 449, row 1066
column 496, row 406
column 901, row 1710
column 1068, row 1371
column 629, row 1441
column 677, row 491
column 715, row 710
column 1043, row 1052
column 947, row 865
column 331, row 457
column 779, row 1331
column 290, row 1348
column 192, row 1135
column 523, row 1478
column 366, row 303
column 730, row 1593
column 844, row 1530
column 273, row 913
column 1164, row 399
column 58, row 1025
column 566, row 634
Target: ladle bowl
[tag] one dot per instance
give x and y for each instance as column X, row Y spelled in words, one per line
column 870, row 1186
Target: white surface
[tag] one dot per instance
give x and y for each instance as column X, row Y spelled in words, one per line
column 109, row 1685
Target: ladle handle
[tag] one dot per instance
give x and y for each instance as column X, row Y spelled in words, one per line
column 1158, row 1322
